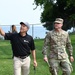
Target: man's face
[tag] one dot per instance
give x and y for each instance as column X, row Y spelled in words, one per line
column 23, row 28
column 58, row 25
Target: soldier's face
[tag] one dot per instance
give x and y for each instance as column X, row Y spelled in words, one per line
column 58, row 25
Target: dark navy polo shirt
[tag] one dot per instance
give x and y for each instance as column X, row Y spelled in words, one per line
column 21, row 45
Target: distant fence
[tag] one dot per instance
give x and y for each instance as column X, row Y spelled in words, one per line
column 37, row 31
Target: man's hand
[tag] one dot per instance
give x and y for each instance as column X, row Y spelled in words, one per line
column 35, row 63
column 2, row 32
column 71, row 58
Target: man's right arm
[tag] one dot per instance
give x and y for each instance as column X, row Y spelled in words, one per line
column 2, row 32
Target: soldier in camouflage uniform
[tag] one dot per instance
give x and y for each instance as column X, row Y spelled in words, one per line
column 54, row 49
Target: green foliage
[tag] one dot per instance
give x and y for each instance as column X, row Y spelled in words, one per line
column 57, row 8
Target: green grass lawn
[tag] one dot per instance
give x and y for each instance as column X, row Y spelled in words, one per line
column 6, row 61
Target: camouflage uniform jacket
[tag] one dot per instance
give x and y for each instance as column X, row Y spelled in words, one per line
column 55, row 45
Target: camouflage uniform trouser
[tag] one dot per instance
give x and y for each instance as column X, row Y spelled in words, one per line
column 55, row 64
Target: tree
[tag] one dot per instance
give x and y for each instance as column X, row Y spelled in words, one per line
column 57, row 8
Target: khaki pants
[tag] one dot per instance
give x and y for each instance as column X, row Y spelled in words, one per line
column 21, row 66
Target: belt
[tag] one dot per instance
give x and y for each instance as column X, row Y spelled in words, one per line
column 22, row 57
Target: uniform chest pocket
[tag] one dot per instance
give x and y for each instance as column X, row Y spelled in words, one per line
column 63, row 38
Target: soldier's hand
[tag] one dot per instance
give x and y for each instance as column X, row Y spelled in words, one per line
column 45, row 59
column 71, row 58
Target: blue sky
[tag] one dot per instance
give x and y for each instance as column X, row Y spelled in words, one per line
column 15, row 11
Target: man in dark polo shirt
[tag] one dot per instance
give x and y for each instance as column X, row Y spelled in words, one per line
column 22, row 47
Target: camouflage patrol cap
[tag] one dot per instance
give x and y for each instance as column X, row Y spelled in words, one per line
column 59, row 20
